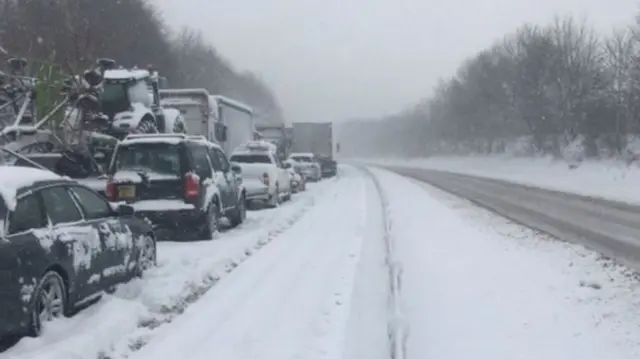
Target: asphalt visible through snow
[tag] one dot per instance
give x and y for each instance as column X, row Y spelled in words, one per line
column 609, row 227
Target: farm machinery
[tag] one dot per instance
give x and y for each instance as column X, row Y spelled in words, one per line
column 76, row 135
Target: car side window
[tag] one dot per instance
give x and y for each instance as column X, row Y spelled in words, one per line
column 224, row 162
column 93, row 205
column 217, row 165
column 201, row 161
column 59, row 205
column 27, row 215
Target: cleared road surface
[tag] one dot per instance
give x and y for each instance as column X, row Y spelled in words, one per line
column 610, row 227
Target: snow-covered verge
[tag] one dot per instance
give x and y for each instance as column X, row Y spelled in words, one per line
column 295, row 298
column 124, row 321
column 477, row 286
column 609, row 179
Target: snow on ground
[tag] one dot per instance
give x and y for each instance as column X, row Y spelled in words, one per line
column 608, row 179
column 186, row 270
column 293, row 299
column 477, row 286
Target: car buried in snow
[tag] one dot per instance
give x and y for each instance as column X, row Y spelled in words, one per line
column 61, row 246
column 181, row 184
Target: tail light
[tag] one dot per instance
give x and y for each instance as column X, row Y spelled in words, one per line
column 265, row 179
column 191, row 186
column 111, row 190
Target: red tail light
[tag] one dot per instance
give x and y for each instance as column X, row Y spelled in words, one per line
column 265, row 179
column 191, row 186
column 111, row 190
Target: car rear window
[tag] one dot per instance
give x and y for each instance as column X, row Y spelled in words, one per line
column 250, row 158
column 301, row 159
column 155, row 157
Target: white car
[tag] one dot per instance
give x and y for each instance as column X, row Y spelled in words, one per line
column 309, row 166
column 264, row 177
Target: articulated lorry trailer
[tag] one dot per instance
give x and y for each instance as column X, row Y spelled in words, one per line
column 316, row 138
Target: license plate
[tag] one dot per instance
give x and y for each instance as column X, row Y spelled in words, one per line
column 127, row 191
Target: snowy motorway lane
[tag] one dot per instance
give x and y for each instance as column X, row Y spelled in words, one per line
column 293, row 299
column 475, row 285
column 611, row 228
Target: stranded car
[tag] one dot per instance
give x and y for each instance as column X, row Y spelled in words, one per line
column 264, row 176
column 308, row 165
column 182, row 184
column 61, row 245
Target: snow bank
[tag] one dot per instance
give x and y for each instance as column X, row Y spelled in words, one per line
column 609, row 179
column 476, row 286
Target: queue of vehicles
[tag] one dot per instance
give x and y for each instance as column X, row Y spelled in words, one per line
column 78, row 218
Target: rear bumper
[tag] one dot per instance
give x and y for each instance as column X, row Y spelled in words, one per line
column 174, row 224
column 256, row 191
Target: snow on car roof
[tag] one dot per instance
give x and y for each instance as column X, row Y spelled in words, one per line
column 121, row 74
column 152, row 139
column 14, row 178
column 302, row 154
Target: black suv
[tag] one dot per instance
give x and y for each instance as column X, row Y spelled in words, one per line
column 182, row 184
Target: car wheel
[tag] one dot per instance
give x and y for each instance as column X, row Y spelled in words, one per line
column 49, row 302
column 239, row 213
column 212, row 225
column 275, row 199
column 147, row 254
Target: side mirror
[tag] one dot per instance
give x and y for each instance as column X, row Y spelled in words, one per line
column 236, row 168
column 125, row 210
column 286, row 165
column 220, row 132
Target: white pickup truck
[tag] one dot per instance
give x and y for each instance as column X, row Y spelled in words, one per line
column 264, row 176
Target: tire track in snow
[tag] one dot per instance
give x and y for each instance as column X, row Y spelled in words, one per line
column 398, row 330
column 288, row 301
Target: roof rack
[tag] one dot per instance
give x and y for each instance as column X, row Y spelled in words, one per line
column 133, row 136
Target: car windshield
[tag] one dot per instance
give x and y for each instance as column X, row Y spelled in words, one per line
column 303, row 159
column 251, row 158
column 153, row 157
column 114, row 98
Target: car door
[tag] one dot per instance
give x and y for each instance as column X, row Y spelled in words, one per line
column 230, row 181
column 283, row 174
column 82, row 240
column 204, row 167
column 118, row 254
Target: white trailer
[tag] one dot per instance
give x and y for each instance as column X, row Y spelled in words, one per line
column 238, row 120
column 218, row 118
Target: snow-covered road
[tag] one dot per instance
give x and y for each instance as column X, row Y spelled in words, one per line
column 476, row 286
column 472, row 285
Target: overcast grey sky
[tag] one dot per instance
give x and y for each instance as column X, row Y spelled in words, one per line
column 335, row 59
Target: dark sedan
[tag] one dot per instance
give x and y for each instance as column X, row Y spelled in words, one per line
column 61, row 246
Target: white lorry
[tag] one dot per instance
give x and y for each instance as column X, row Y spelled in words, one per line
column 220, row 119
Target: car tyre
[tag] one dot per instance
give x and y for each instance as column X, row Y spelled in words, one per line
column 239, row 213
column 49, row 302
column 147, row 254
column 212, row 224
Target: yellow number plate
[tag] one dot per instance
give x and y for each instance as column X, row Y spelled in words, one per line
column 127, row 191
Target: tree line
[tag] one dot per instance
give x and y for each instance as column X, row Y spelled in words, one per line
column 73, row 33
column 559, row 89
